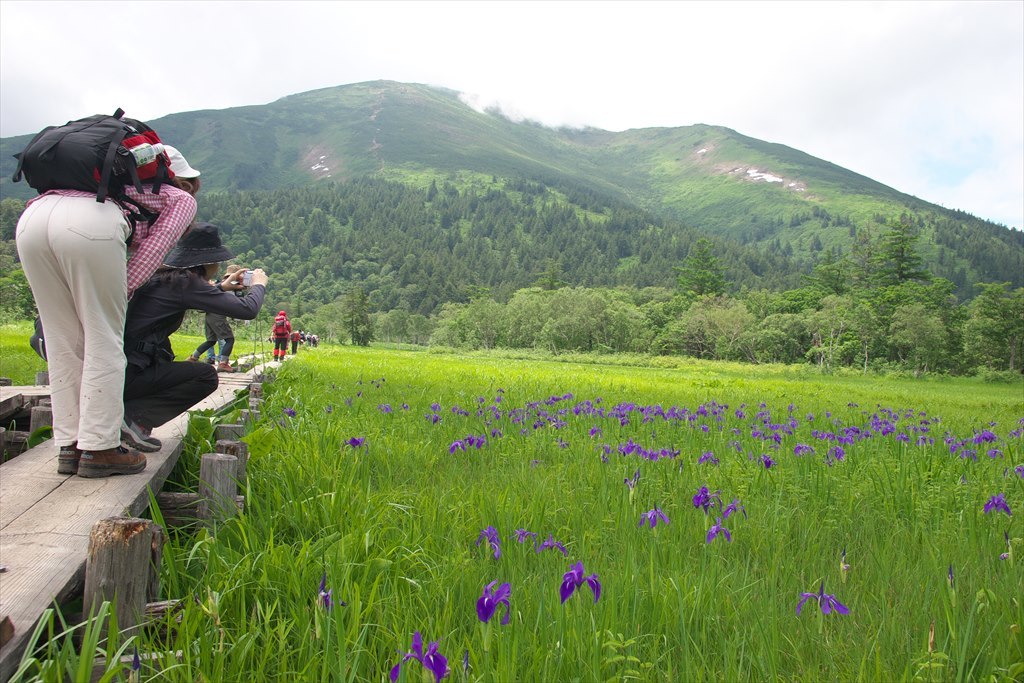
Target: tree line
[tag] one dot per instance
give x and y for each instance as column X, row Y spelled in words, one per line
column 488, row 262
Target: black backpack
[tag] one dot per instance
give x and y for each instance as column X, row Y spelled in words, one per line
column 100, row 154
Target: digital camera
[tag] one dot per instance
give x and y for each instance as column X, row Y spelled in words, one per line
column 247, row 278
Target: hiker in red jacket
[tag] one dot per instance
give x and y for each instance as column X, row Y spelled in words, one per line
column 282, row 330
column 296, row 337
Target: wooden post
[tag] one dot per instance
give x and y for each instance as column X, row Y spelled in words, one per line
column 42, row 378
column 3, row 442
column 217, row 487
column 240, row 450
column 119, row 567
column 40, row 416
column 256, row 390
column 235, row 431
column 255, row 404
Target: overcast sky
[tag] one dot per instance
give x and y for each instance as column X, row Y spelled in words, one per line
column 927, row 97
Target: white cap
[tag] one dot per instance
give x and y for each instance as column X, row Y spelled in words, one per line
column 179, row 166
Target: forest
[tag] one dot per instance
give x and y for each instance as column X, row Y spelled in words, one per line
column 482, row 262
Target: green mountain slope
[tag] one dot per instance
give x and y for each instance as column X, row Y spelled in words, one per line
column 773, row 198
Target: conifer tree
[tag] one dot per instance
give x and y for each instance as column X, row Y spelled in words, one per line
column 898, row 260
column 701, row 273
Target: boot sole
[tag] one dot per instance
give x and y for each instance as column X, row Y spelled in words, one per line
column 95, row 471
column 139, row 445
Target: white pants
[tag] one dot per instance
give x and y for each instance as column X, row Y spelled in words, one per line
column 74, row 255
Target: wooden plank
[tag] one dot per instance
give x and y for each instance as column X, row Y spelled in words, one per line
column 10, row 404
column 26, row 390
column 46, row 518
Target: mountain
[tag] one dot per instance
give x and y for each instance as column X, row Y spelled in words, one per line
column 774, row 199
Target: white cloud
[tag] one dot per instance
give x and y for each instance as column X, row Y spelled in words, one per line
column 892, row 90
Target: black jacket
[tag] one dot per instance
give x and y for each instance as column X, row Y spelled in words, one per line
column 158, row 307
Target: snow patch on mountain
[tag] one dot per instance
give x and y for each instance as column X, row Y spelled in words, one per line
column 756, row 175
column 317, row 161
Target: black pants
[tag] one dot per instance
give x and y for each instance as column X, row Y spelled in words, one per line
column 159, row 393
column 295, row 347
column 229, row 344
column 281, row 344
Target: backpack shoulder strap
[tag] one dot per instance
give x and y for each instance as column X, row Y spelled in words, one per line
column 108, row 163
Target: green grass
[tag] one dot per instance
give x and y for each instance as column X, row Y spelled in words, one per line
column 393, row 524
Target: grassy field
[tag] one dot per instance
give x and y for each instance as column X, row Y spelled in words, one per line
column 387, row 488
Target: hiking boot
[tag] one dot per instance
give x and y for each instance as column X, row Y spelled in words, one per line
column 119, row 460
column 211, row 360
column 138, row 437
column 224, row 366
column 67, row 459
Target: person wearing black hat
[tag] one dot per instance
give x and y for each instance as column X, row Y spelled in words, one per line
column 156, row 388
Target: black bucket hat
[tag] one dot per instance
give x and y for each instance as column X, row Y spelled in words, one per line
column 200, row 246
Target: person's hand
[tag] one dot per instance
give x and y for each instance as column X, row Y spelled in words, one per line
column 259, row 277
column 232, row 282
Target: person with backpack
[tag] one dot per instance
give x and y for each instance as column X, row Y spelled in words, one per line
column 296, row 338
column 83, row 260
column 156, row 388
column 282, row 331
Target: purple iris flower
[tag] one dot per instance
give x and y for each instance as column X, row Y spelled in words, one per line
column 133, row 674
column 997, row 502
column 324, row 594
column 595, row 431
column 717, row 529
column 490, row 535
column 432, row 660
column 949, row 577
column 706, row 500
column 290, row 412
column 826, row 602
column 1006, row 555
column 767, row 462
column 631, row 483
column 488, row 603
column 457, row 445
column 707, row 457
column 984, row 436
column 523, row 534
column 652, row 516
column 574, row 578
column 1019, row 469
column 552, row 543
column 803, row 449
column 384, row 408
column 355, row 441
column 733, row 507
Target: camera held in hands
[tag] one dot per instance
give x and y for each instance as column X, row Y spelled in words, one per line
column 247, row 278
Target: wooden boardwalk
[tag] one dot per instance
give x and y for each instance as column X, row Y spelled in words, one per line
column 45, row 517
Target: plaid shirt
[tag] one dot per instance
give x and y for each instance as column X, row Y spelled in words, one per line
column 151, row 242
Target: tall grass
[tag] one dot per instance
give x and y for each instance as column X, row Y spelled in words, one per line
column 353, row 480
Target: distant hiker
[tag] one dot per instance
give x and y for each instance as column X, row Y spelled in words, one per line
column 218, row 330
column 156, row 388
column 296, row 337
column 82, row 261
column 281, row 332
